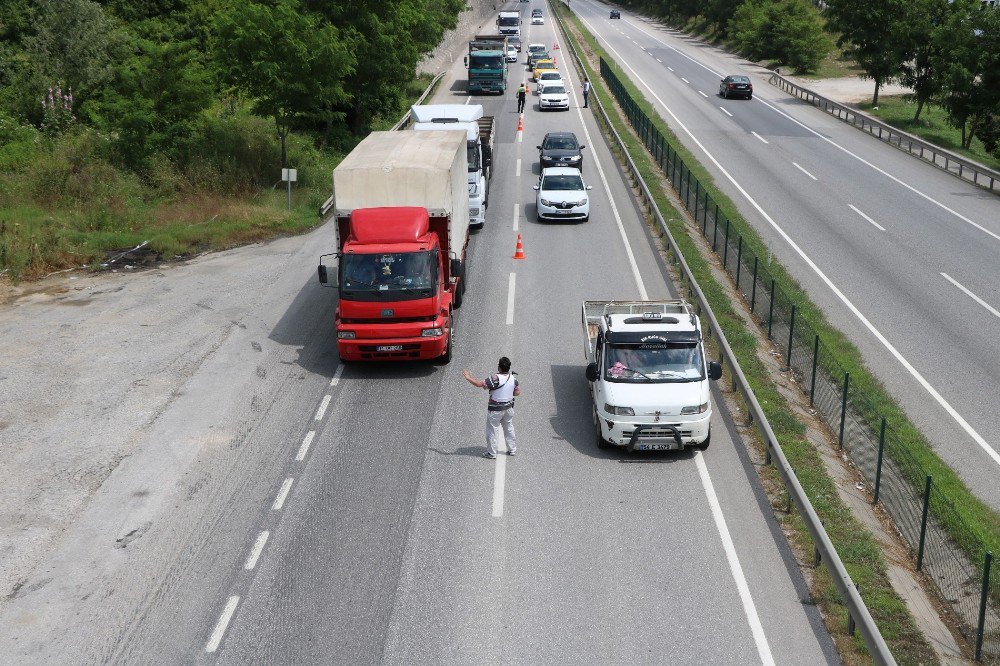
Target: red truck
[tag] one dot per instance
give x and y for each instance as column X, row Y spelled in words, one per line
column 401, row 205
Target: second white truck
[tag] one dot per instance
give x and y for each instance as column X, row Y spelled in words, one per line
column 648, row 375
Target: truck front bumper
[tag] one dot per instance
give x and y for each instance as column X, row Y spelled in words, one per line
column 393, row 349
column 666, row 436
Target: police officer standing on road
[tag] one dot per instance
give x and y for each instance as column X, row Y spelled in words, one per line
column 521, row 93
column 503, row 387
column 586, row 91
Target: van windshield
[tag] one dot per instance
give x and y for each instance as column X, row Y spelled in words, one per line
column 656, row 363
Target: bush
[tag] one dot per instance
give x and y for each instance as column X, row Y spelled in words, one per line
column 786, row 31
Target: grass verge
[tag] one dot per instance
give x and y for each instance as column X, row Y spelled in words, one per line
column 856, row 546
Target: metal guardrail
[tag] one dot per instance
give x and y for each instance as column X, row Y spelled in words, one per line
column 943, row 159
column 859, row 614
column 403, row 123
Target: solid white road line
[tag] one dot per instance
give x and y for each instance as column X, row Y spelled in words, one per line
column 517, row 214
column 873, row 222
column 723, row 109
column 969, row 430
column 279, row 501
column 517, row 169
column 258, row 548
column 759, row 136
column 301, row 455
column 510, row 299
column 499, row 474
column 336, row 375
column 703, row 94
column 685, row 80
column 222, row 624
column 968, row 293
column 804, row 171
column 749, row 608
column 322, row 407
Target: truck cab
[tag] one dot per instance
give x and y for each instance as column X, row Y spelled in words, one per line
column 479, row 146
column 509, row 23
column 648, row 375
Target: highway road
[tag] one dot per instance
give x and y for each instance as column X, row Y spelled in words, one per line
column 902, row 257
column 273, row 506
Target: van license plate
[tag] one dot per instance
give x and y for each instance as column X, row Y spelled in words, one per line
column 385, row 348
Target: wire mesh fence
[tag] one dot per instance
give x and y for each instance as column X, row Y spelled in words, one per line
column 940, row 543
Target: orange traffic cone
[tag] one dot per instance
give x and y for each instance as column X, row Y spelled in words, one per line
column 555, row 46
column 520, row 123
column 519, row 250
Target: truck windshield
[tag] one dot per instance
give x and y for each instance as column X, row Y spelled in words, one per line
column 657, row 363
column 389, row 277
column 486, row 62
column 509, row 21
column 472, row 147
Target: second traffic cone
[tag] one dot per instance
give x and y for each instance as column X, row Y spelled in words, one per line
column 519, row 250
column 555, row 46
column 520, row 123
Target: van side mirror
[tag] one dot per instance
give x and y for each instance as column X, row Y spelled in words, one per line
column 714, row 370
column 592, row 373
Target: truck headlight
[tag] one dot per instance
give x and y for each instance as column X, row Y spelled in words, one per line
column 346, row 335
column 431, row 332
column 619, row 411
column 695, row 409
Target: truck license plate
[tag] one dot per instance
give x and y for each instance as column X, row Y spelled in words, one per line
column 386, row 348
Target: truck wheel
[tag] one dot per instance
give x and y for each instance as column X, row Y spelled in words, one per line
column 446, row 357
column 460, row 288
column 708, row 440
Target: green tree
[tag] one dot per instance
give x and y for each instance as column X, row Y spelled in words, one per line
column 290, row 62
column 920, row 69
column 719, row 12
column 957, row 62
column 874, row 34
column 787, row 31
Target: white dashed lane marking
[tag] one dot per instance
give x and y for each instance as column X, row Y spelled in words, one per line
column 992, row 310
column 222, row 624
column 873, row 222
column 804, row 171
column 759, row 137
column 258, row 548
column 321, row 412
column 279, row 501
column 304, row 449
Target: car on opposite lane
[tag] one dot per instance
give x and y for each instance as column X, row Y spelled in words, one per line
column 736, row 85
column 560, row 149
column 562, row 195
column 553, row 96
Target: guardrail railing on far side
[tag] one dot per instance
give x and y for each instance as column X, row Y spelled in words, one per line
column 943, row 159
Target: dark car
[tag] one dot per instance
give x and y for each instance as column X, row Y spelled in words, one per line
column 515, row 40
column 560, row 149
column 616, row 14
column 736, row 86
column 536, row 12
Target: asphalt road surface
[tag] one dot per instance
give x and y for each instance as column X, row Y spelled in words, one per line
column 256, row 502
column 900, row 256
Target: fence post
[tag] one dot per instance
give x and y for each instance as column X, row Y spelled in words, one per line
column 983, row 597
column 812, row 382
column 770, row 311
column 791, row 332
column 697, row 196
column 753, row 289
column 739, row 261
column 923, row 524
column 843, row 408
column 715, row 234
column 704, row 224
column 725, row 250
column 878, row 468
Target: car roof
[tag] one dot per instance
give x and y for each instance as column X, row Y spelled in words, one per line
column 555, row 135
column 536, row 46
column 561, row 171
column 738, row 77
column 550, row 71
column 558, row 84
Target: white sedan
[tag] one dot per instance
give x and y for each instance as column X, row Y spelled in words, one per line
column 537, row 20
column 511, row 53
column 553, row 96
column 547, row 77
column 562, row 195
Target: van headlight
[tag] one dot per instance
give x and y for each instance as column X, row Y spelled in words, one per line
column 546, row 202
column 431, row 332
column 619, row 411
column 695, row 409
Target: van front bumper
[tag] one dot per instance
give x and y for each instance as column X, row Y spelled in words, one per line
column 666, row 436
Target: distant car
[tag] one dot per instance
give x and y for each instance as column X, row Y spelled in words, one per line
column 553, row 96
column 536, row 12
column 542, row 64
column 548, row 77
column 515, row 40
column 537, row 20
column 736, row 85
column 562, row 195
column 511, row 53
column 560, row 149
column 616, row 14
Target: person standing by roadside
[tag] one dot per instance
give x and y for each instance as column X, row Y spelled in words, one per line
column 521, row 94
column 503, row 388
column 586, row 91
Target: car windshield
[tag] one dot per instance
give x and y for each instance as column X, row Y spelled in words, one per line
column 562, row 183
column 536, row 48
column 739, row 79
column 486, row 62
column 396, row 276
column 550, row 76
column 661, row 362
column 553, row 90
column 560, row 143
